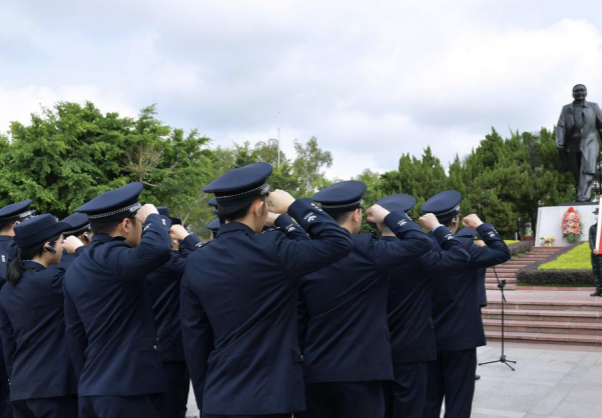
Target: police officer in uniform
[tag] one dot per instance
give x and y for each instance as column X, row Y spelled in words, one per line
column 239, row 295
column 481, row 274
column 110, row 328
column 409, row 311
column 164, row 289
column 213, row 226
column 456, row 312
column 43, row 382
column 10, row 216
column 343, row 309
column 80, row 229
column 596, row 259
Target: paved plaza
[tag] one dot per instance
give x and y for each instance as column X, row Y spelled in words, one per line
column 549, row 381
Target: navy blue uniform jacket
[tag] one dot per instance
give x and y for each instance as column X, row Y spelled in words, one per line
column 164, row 289
column 456, row 311
column 409, row 300
column 239, row 311
column 67, row 258
column 110, row 327
column 33, row 335
column 9, row 246
column 343, row 307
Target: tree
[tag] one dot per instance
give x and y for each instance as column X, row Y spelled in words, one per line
column 72, row 153
column 308, row 165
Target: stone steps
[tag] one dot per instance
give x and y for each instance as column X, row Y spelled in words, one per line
column 551, row 319
column 568, row 339
column 507, row 271
column 543, row 316
column 545, row 327
column 537, row 305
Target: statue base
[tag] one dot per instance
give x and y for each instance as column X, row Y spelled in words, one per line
column 549, row 221
column 577, row 203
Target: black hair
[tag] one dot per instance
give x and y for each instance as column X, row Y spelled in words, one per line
column 446, row 220
column 232, row 213
column 16, row 268
column 577, row 85
column 340, row 217
column 108, row 227
column 5, row 226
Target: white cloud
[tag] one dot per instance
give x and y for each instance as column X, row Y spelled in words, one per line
column 370, row 82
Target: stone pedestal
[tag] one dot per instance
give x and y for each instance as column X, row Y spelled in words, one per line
column 549, row 221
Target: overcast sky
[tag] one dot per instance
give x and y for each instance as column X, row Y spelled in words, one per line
column 371, row 79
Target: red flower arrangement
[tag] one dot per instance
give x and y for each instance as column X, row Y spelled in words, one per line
column 572, row 227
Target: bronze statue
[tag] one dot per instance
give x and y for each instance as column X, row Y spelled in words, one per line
column 577, row 140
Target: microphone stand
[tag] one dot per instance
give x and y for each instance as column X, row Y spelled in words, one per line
column 501, row 284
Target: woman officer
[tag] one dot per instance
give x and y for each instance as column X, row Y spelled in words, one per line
column 42, row 379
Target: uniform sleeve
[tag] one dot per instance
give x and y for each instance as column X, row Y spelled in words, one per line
column 412, row 242
column 8, row 341
column 77, row 341
column 56, row 281
column 329, row 242
column 154, row 250
column 495, row 252
column 292, row 229
column 592, row 236
column 453, row 255
column 197, row 336
column 190, row 244
column 174, row 267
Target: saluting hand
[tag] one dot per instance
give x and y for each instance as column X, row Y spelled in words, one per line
column 144, row 211
column 72, row 243
column 429, row 221
column 279, row 201
column 178, row 232
column 472, row 221
column 271, row 219
column 376, row 214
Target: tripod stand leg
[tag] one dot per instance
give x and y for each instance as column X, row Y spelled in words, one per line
column 489, row 362
column 511, row 368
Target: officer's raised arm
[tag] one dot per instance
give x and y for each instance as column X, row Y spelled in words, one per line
column 329, row 242
column 453, row 255
column 495, row 250
column 118, row 215
column 403, row 203
column 412, row 241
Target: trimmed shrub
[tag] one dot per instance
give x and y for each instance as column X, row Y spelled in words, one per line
column 531, row 275
column 579, row 258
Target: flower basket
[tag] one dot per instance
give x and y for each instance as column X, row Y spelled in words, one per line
column 572, row 226
column 547, row 241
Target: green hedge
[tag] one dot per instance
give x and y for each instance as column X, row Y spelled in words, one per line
column 579, row 258
column 511, row 241
column 532, row 275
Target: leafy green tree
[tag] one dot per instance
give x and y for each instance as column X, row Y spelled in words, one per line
column 72, row 153
column 309, row 164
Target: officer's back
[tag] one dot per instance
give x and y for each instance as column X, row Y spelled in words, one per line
column 239, row 297
column 110, row 327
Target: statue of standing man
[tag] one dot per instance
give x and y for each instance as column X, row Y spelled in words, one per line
column 577, row 138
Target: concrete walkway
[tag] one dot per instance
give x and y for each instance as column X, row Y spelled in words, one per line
column 549, row 381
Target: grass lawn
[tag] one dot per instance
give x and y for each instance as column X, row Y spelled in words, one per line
column 511, row 241
column 576, row 259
